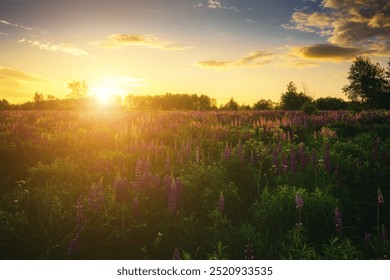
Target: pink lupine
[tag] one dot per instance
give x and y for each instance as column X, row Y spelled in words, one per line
column 221, row 202
column 338, row 220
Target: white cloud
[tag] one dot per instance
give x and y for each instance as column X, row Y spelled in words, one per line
column 64, row 47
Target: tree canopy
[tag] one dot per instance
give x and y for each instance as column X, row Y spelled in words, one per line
column 368, row 83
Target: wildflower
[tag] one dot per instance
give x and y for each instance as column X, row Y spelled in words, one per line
column 338, row 220
column 298, row 201
column 227, row 152
column 96, row 196
column 380, row 197
column 197, row 155
column 367, row 240
column 176, row 255
column 221, row 202
column 138, row 171
column 249, row 250
column 74, row 244
column 172, row 197
column 327, row 158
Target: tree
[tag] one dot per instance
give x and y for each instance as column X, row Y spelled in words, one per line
column 38, row 97
column 331, row 103
column 263, row 105
column 292, row 100
column 231, row 105
column 79, row 89
column 4, row 104
column 367, row 83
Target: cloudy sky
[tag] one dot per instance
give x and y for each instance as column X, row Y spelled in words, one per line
column 246, row 49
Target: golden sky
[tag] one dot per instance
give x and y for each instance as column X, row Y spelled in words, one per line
column 246, row 49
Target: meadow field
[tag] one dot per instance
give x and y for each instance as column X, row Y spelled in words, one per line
column 194, row 185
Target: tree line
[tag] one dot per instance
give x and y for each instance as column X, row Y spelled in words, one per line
column 368, row 88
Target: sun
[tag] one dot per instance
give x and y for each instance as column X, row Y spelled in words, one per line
column 107, row 93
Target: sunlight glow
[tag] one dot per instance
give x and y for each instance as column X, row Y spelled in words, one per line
column 107, row 93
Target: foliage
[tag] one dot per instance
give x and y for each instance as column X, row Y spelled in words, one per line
column 194, row 185
column 368, row 84
column 292, row 100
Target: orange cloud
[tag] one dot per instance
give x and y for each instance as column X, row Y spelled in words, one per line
column 253, row 59
column 118, row 41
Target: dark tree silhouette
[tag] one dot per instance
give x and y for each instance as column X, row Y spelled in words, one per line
column 368, row 84
column 79, row 89
column 292, row 100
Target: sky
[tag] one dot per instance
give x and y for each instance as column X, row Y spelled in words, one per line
column 245, row 49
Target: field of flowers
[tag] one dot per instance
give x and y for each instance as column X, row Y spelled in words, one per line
column 194, row 185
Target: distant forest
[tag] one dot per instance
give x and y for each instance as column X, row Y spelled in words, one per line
column 368, row 88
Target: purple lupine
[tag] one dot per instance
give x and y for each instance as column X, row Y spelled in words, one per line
column 380, row 197
column 292, row 161
column 298, row 201
column 197, row 155
column 327, row 158
column 138, row 171
column 221, row 202
column 167, row 182
column 384, row 234
column 74, row 244
column 172, row 196
column 367, row 240
column 227, row 152
column 338, row 220
column 275, row 159
column 121, row 187
column 302, row 156
column 176, row 255
column 249, row 251
column 96, row 195
column 147, row 167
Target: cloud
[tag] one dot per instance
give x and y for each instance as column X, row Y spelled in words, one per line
column 15, row 25
column 327, row 51
column 118, row 41
column 214, row 4
column 253, row 59
column 11, row 74
column 363, row 24
column 17, row 86
column 64, row 47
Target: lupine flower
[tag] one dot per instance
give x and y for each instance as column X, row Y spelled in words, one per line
column 327, row 158
column 74, row 245
column 249, row 251
column 338, row 220
column 138, row 171
column 221, row 202
column 367, row 240
column 292, row 161
column 96, row 195
column 197, row 155
column 172, row 196
column 147, row 167
column 227, row 152
column 380, row 197
column 176, row 255
column 298, row 201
